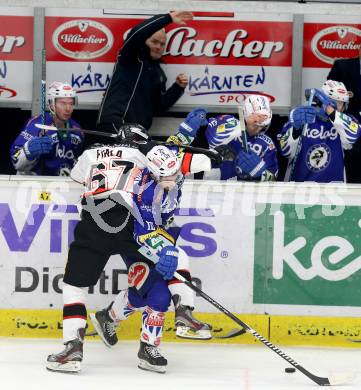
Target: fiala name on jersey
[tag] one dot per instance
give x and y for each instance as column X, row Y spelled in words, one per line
column 103, row 153
column 322, row 133
column 318, row 157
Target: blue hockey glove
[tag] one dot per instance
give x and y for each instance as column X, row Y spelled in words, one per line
column 249, row 165
column 195, row 119
column 37, row 146
column 322, row 100
column 301, row 115
column 168, row 262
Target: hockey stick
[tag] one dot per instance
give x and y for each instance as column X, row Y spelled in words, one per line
column 43, row 85
column 232, row 333
column 242, row 125
column 289, row 174
column 321, row 381
column 191, row 149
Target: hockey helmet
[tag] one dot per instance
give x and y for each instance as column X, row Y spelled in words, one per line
column 162, row 161
column 58, row 89
column 336, row 90
column 132, row 132
column 258, row 104
column 221, row 130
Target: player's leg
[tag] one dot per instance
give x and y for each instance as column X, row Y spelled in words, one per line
column 158, row 300
column 86, row 260
column 74, row 322
column 183, row 299
column 107, row 320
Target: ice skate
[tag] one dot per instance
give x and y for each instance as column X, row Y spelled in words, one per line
column 69, row 360
column 150, row 359
column 105, row 327
column 187, row 326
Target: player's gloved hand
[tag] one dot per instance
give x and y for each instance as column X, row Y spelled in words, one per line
column 301, row 115
column 194, row 120
column 226, row 152
column 37, row 146
column 323, row 101
column 249, row 165
column 168, row 261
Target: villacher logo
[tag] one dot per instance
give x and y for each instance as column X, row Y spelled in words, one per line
column 83, row 39
column 336, row 42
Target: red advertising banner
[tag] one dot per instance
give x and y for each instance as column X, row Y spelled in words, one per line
column 325, row 42
column 208, row 42
column 16, row 38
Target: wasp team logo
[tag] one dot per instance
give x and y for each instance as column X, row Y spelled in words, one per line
column 336, row 42
column 82, row 39
column 318, row 157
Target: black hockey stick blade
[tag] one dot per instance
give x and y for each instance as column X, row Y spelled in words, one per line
column 232, row 333
column 321, row 381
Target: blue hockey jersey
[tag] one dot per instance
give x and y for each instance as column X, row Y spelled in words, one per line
column 155, row 210
column 318, row 154
column 260, row 144
column 67, row 148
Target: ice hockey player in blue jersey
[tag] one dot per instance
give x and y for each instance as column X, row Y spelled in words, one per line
column 48, row 152
column 316, row 135
column 224, row 134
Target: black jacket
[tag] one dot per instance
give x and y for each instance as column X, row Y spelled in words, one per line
column 348, row 72
column 137, row 90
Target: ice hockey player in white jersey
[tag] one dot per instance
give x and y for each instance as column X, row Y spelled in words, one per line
column 223, row 133
column 316, row 135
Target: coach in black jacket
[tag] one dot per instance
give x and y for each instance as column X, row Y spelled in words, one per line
column 137, row 90
column 348, row 71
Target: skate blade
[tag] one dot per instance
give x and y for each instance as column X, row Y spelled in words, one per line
column 98, row 329
column 144, row 365
column 68, row 367
column 185, row 332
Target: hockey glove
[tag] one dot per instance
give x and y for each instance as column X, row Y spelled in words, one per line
column 322, row 100
column 249, row 165
column 224, row 153
column 37, row 146
column 168, row 262
column 195, row 119
column 299, row 116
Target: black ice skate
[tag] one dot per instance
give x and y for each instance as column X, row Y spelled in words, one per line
column 150, row 358
column 187, row 326
column 69, row 360
column 105, row 326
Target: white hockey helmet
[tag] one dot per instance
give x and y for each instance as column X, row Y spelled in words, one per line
column 258, row 104
column 336, row 90
column 162, row 161
column 58, row 89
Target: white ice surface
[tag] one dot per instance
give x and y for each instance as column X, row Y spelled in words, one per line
column 190, row 366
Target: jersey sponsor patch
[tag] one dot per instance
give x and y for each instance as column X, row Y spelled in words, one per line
column 318, row 157
column 137, row 274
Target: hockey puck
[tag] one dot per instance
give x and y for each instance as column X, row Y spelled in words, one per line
column 290, row 370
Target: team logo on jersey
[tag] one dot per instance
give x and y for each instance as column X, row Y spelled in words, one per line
column 318, row 157
column 83, row 39
column 137, row 274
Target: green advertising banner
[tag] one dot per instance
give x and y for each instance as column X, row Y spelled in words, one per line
column 311, row 257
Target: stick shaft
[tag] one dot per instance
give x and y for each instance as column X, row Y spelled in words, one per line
column 243, row 128
column 319, row 380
